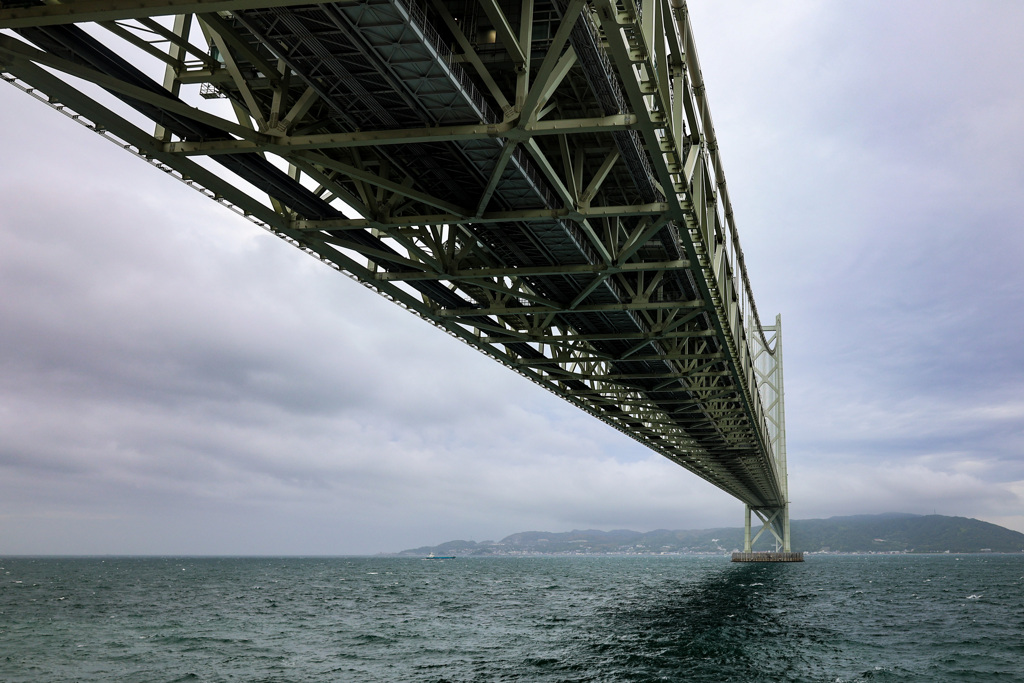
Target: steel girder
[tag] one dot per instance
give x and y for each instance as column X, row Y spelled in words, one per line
column 539, row 178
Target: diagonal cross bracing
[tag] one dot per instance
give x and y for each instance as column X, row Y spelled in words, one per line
column 549, row 193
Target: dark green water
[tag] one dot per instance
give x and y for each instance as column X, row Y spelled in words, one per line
column 855, row 618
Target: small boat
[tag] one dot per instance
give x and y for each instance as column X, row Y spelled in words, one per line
column 432, row 556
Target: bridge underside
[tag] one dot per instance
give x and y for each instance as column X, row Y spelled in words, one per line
column 540, row 178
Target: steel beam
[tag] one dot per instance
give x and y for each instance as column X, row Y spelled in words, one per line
column 612, row 277
column 74, row 11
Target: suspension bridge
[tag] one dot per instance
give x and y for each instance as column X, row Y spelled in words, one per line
column 539, row 178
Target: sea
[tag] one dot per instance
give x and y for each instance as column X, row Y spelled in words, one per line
column 673, row 618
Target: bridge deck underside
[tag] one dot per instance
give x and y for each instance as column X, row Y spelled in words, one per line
column 509, row 196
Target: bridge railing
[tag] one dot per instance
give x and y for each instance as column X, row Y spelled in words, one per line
column 652, row 46
column 718, row 236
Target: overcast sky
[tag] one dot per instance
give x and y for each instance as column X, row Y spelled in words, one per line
column 175, row 380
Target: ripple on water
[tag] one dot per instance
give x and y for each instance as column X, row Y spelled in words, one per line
column 902, row 618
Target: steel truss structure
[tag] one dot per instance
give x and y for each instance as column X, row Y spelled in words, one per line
column 539, row 178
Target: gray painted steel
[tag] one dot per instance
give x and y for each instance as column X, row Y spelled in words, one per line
column 539, row 178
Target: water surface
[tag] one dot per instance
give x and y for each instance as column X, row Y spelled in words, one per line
column 832, row 618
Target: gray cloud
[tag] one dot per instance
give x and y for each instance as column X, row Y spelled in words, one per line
column 174, row 380
column 877, row 176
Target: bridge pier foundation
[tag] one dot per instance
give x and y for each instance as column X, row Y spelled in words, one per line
column 767, row 557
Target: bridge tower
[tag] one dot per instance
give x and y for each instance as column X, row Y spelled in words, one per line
column 767, row 359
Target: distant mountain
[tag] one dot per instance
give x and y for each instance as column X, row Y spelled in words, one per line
column 891, row 532
column 912, row 533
